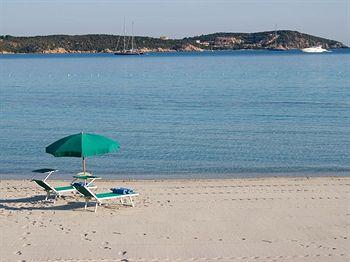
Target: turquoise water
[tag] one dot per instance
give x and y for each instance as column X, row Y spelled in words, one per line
column 196, row 115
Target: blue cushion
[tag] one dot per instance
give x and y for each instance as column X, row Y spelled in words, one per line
column 122, row 191
column 78, row 184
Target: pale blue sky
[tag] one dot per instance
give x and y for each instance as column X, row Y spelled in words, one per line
column 175, row 18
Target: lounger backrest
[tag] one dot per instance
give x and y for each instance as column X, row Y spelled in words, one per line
column 43, row 184
column 84, row 190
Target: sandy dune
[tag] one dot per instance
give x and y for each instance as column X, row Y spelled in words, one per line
column 271, row 219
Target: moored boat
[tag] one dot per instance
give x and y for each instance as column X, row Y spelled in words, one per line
column 128, row 52
column 314, row 49
column 132, row 50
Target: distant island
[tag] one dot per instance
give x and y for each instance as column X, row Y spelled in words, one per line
column 103, row 43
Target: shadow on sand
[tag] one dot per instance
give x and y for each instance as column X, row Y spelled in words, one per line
column 38, row 203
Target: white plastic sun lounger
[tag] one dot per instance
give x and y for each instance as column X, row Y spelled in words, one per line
column 56, row 191
column 100, row 197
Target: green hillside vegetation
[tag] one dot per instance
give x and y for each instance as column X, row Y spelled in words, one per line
column 283, row 39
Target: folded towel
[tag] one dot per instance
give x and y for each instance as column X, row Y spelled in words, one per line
column 78, row 184
column 122, row 191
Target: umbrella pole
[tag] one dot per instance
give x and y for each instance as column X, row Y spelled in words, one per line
column 84, row 166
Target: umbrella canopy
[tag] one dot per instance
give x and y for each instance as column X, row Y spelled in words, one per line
column 82, row 145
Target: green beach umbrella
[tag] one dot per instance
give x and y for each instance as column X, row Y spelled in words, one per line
column 82, row 145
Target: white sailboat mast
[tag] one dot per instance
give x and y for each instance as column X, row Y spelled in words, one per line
column 124, row 35
column 132, row 36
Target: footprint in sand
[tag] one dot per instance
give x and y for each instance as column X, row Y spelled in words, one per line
column 86, row 237
column 106, row 245
column 267, row 241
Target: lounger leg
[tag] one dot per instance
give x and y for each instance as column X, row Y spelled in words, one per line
column 121, row 201
column 54, row 200
column 96, row 206
column 47, row 195
column 131, row 202
column 86, row 201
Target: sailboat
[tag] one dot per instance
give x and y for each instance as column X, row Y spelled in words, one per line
column 131, row 51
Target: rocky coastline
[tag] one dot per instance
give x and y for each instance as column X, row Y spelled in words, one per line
column 64, row 44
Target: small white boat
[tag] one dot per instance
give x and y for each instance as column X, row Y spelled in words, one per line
column 316, row 49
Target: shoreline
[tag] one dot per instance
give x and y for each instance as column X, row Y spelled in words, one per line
column 186, row 176
column 171, row 51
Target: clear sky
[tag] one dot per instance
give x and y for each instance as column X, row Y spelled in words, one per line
column 175, row 18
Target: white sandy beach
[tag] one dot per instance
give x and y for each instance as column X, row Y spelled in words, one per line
column 262, row 219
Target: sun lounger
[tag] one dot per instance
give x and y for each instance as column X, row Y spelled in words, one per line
column 56, row 191
column 100, row 197
column 86, row 177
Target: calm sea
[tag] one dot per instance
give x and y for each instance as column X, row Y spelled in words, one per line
column 197, row 115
